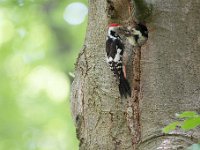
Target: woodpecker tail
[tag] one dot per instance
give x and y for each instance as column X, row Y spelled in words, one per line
column 124, row 87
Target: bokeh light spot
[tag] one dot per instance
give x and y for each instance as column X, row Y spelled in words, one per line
column 22, row 32
column 53, row 83
column 75, row 13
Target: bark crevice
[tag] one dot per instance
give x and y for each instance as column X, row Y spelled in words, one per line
column 135, row 95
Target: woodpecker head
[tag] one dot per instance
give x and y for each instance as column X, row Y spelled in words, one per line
column 138, row 35
column 143, row 29
column 113, row 30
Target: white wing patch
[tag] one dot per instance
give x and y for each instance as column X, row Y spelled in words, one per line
column 117, row 56
column 110, row 59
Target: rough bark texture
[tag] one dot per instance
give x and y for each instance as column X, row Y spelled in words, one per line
column 170, row 67
column 165, row 79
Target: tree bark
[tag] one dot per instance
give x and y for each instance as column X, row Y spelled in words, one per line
column 164, row 77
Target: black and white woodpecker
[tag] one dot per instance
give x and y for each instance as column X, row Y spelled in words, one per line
column 116, row 48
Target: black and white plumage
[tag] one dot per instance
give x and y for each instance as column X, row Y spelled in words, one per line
column 115, row 51
column 117, row 48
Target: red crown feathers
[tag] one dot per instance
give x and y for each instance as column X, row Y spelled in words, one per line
column 114, row 25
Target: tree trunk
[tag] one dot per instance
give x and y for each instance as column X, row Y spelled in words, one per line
column 164, row 77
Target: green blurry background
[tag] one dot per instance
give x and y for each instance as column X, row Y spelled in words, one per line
column 39, row 44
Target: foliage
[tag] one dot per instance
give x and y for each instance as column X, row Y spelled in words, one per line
column 38, row 50
column 194, row 147
column 189, row 120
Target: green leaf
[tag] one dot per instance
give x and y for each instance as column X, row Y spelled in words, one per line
column 194, row 147
column 190, row 123
column 170, row 127
column 188, row 114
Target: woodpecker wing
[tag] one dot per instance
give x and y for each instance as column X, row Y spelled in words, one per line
column 112, row 45
column 115, row 49
column 108, row 46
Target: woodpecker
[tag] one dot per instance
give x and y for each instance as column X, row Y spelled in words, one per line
column 115, row 50
column 116, row 47
column 137, row 35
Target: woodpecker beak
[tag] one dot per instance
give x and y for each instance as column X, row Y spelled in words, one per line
column 124, row 31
